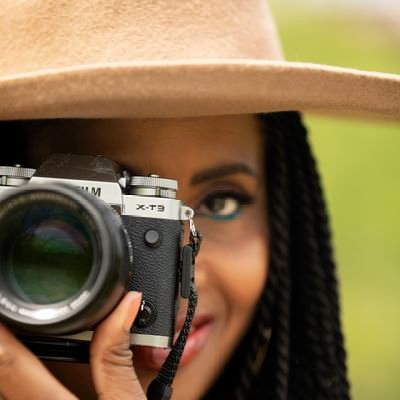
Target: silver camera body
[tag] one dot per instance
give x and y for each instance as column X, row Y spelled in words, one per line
column 125, row 233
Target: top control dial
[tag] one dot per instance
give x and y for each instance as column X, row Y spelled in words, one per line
column 153, row 186
column 15, row 176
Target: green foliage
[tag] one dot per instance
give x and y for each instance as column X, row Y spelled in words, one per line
column 340, row 40
column 360, row 166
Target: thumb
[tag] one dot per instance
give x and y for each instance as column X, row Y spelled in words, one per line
column 110, row 356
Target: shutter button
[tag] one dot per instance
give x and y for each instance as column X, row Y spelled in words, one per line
column 152, row 238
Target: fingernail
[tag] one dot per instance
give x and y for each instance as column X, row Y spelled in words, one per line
column 133, row 300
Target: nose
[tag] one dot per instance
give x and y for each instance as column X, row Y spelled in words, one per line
column 200, row 276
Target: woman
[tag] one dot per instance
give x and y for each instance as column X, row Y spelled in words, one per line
column 268, row 321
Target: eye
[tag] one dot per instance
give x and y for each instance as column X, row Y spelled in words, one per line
column 223, row 205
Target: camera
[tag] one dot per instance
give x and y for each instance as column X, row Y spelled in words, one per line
column 75, row 235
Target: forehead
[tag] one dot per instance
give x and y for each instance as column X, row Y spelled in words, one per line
column 163, row 146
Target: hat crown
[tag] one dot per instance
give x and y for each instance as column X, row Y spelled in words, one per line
column 39, row 35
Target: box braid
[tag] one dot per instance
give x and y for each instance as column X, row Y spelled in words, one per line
column 306, row 357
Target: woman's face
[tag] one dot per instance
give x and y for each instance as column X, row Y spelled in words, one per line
column 218, row 162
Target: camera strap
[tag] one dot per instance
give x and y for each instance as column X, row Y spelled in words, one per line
column 161, row 387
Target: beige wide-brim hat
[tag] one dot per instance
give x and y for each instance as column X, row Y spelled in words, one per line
column 166, row 58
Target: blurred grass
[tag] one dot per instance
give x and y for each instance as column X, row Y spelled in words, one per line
column 360, row 166
column 361, row 170
column 339, row 39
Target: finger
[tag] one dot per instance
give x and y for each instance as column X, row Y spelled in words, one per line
column 110, row 355
column 23, row 376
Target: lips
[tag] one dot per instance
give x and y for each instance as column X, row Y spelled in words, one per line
column 153, row 358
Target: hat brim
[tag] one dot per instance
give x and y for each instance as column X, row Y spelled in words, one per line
column 195, row 88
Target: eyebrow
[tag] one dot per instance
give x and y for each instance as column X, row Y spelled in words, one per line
column 221, row 171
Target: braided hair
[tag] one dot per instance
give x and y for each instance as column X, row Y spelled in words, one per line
column 304, row 357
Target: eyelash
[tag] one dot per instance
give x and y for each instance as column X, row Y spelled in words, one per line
column 241, row 200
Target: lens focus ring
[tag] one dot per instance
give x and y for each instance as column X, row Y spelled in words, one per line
column 62, row 253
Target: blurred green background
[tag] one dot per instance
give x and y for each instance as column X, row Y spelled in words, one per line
column 360, row 166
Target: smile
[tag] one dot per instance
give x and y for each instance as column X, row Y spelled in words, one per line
column 153, row 358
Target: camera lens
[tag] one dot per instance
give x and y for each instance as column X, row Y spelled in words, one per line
column 49, row 253
column 64, row 259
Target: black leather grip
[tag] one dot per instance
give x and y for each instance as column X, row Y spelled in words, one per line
column 156, row 258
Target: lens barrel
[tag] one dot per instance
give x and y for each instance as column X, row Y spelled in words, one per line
column 64, row 259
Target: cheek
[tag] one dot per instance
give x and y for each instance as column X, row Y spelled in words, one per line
column 238, row 272
column 243, row 274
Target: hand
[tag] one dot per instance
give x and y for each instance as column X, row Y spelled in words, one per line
column 23, row 376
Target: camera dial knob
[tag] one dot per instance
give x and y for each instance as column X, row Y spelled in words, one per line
column 153, row 186
column 15, row 176
column 146, row 316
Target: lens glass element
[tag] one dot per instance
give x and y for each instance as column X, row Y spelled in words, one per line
column 50, row 255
